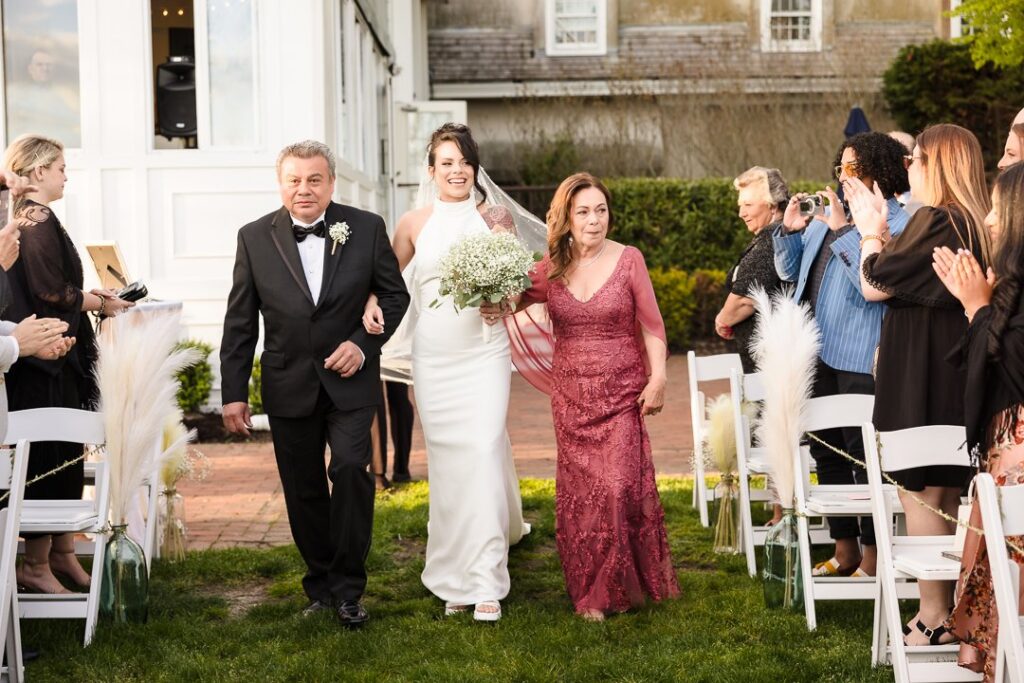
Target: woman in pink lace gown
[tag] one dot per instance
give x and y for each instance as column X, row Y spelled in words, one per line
column 602, row 360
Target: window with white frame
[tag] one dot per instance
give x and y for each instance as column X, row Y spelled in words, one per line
column 577, row 27
column 790, row 25
column 40, row 69
column 958, row 27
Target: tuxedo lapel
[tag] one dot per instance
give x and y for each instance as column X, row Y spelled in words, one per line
column 335, row 214
column 284, row 240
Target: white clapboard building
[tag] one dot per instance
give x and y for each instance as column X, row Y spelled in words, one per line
column 173, row 111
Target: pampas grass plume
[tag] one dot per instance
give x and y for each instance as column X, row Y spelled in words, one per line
column 721, row 438
column 136, row 374
column 785, row 347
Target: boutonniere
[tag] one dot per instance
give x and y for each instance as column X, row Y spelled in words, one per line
column 339, row 234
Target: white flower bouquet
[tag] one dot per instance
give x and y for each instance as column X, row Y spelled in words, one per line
column 485, row 268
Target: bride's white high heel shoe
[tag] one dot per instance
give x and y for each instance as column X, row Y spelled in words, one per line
column 488, row 615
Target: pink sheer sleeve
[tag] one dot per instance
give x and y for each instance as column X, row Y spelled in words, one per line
column 530, row 333
column 648, row 315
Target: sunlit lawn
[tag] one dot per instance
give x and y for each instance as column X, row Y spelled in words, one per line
column 233, row 615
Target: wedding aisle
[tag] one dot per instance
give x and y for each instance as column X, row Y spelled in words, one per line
column 240, row 503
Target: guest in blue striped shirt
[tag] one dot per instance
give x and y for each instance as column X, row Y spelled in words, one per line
column 823, row 257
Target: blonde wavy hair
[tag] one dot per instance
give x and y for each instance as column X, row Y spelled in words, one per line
column 767, row 183
column 559, row 220
column 954, row 177
column 29, row 152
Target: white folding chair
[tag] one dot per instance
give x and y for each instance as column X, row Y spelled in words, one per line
column 704, row 369
column 1002, row 515
column 821, row 414
column 13, row 465
column 66, row 516
column 752, row 461
column 904, row 560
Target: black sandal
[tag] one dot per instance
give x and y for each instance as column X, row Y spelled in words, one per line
column 933, row 634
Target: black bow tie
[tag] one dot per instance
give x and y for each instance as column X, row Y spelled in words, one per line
column 302, row 233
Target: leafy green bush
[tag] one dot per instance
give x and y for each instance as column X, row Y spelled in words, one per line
column 256, row 388
column 688, row 303
column 938, row 83
column 195, row 381
column 684, row 224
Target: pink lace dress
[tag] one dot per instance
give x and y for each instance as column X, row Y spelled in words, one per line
column 610, row 526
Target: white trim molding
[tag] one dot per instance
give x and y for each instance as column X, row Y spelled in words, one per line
column 576, row 12
column 800, row 17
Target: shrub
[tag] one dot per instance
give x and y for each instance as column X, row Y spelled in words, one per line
column 684, row 224
column 688, row 303
column 256, row 387
column 196, row 381
column 938, row 83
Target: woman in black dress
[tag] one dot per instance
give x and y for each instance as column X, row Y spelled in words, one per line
column 993, row 354
column 763, row 196
column 915, row 384
column 47, row 281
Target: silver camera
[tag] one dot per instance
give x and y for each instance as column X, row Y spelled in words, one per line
column 812, row 205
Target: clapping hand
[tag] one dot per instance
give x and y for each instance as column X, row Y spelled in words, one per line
column 18, row 185
column 42, row 337
column 869, row 209
column 961, row 274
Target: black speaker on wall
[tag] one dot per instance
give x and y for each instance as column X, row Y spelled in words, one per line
column 176, row 98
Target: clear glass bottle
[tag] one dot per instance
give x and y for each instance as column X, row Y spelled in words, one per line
column 783, row 585
column 124, row 594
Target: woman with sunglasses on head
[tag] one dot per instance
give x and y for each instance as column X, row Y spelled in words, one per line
column 915, row 385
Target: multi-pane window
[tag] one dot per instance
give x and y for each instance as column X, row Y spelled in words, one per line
column 791, row 25
column 40, row 64
column 576, row 27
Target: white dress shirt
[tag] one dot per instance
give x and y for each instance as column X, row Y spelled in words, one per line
column 311, row 253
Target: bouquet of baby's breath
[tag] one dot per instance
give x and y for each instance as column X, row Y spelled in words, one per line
column 488, row 267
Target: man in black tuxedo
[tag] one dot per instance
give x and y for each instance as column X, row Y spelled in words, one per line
column 308, row 268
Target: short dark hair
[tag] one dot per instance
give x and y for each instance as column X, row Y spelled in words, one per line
column 880, row 158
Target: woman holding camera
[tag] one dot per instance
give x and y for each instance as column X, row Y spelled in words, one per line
column 915, row 385
column 763, row 195
column 46, row 281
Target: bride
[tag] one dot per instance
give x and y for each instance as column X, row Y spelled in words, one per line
column 461, row 382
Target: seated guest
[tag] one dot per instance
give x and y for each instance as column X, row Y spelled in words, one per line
column 46, row 281
column 823, row 256
column 915, row 385
column 992, row 352
column 762, row 199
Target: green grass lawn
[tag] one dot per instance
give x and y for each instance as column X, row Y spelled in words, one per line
column 232, row 615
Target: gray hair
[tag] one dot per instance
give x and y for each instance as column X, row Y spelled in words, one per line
column 773, row 188
column 307, row 149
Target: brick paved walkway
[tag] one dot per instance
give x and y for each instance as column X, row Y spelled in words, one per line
column 241, row 504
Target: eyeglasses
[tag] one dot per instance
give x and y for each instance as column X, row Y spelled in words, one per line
column 909, row 159
column 852, row 169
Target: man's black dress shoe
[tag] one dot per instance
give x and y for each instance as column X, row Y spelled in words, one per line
column 28, row 653
column 351, row 613
column 398, row 478
column 315, row 607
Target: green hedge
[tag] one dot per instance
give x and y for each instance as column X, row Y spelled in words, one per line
column 256, row 388
column 688, row 303
column 195, row 382
column 682, row 224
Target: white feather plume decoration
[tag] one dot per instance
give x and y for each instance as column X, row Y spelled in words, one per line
column 136, row 374
column 721, row 436
column 785, row 348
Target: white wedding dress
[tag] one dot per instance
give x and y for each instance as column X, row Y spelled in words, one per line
column 461, row 384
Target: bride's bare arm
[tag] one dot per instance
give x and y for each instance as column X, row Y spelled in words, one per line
column 404, row 245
